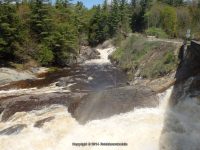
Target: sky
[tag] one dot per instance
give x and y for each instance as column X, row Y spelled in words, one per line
column 89, row 3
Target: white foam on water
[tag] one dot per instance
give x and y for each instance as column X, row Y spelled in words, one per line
column 140, row 129
column 176, row 128
column 182, row 126
column 49, row 89
column 104, row 57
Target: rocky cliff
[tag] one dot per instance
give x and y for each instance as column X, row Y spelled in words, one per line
column 188, row 73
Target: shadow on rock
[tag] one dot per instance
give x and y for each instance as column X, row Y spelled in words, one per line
column 106, row 103
column 14, row 130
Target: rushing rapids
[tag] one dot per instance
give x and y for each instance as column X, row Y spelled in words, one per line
column 54, row 128
column 140, row 129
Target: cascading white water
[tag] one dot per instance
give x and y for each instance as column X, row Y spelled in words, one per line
column 166, row 128
column 104, row 54
column 140, row 129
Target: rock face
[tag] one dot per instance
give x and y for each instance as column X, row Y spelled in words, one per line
column 13, row 130
column 27, row 103
column 83, row 106
column 106, row 103
column 181, row 122
column 87, row 53
column 9, row 75
column 40, row 123
column 188, row 74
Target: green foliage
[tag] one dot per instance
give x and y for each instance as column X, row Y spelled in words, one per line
column 157, row 32
column 165, row 17
column 64, row 44
column 173, row 2
column 41, row 22
column 45, row 55
column 138, row 22
column 108, row 23
column 195, row 15
column 154, row 59
column 10, row 31
column 114, row 18
column 98, row 27
column 81, row 23
column 161, row 66
column 184, row 21
column 169, row 20
column 30, row 29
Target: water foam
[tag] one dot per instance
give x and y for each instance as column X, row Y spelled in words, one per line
column 140, row 129
column 104, row 57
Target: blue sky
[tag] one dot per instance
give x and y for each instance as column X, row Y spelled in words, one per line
column 89, row 3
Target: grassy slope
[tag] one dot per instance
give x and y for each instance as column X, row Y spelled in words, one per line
column 148, row 59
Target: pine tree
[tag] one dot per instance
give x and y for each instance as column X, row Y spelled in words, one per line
column 173, row 2
column 124, row 18
column 98, row 26
column 114, row 18
column 41, row 21
column 133, row 3
column 80, row 23
column 10, row 31
column 65, row 37
column 41, row 26
column 138, row 22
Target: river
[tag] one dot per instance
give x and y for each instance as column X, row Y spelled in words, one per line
column 138, row 129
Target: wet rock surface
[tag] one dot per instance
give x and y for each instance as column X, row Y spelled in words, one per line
column 106, row 103
column 96, row 90
column 9, row 75
column 87, row 53
column 94, row 77
column 40, row 123
column 188, row 73
column 13, row 130
column 34, row 102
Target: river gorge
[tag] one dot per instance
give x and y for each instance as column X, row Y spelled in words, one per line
column 93, row 103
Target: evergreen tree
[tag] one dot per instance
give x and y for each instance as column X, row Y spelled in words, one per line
column 114, row 18
column 138, row 19
column 80, row 23
column 67, row 30
column 173, row 2
column 41, row 21
column 98, row 27
column 133, row 3
column 11, row 37
column 124, row 18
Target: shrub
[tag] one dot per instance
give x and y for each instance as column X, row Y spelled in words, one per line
column 152, row 58
column 162, row 66
column 45, row 55
column 158, row 32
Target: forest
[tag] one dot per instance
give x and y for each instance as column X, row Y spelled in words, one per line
column 52, row 34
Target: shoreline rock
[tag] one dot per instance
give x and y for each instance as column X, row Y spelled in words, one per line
column 8, row 75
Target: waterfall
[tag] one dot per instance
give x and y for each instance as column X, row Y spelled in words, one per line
column 139, row 129
column 53, row 127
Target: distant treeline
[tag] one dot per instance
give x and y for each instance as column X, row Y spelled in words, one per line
column 52, row 34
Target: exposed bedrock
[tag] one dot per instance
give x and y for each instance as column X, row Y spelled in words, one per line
column 84, row 106
column 106, row 103
column 188, row 73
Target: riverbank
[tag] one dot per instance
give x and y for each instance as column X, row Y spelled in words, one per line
column 148, row 61
column 93, row 100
